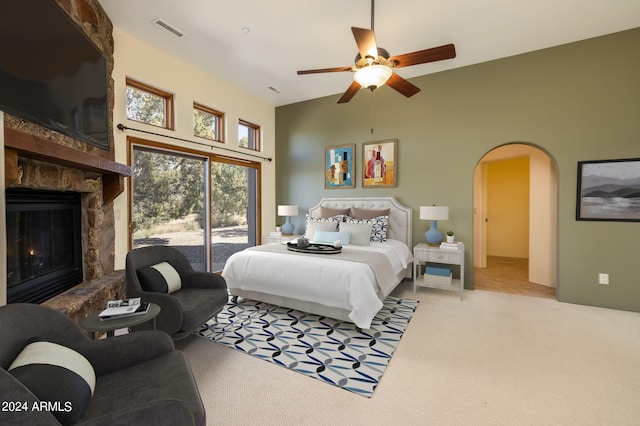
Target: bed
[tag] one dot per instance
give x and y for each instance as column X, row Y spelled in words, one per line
column 349, row 286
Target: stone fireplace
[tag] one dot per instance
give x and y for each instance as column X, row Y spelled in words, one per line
column 41, row 159
column 34, row 163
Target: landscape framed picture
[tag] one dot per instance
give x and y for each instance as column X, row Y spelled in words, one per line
column 339, row 166
column 379, row 164
column 609, row 190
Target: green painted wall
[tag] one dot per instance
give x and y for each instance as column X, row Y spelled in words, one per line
column 579, row 101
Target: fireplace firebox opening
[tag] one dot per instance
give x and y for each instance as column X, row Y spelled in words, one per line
column 44, row 243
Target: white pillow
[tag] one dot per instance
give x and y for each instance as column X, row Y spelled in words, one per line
column 328, row 237
column 379, row 226
column 360, row 233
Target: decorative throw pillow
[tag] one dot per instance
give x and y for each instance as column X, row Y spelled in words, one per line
column 58, row 376
column 328, row 237
column 160, row 278
column 379, row 226
column 322, row 224
column 357, row 213
column 335, row 219
column 329, row 212
column 360, row 233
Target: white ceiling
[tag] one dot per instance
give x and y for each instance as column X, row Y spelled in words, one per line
column 289, row 35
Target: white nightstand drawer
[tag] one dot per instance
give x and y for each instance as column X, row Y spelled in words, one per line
column 444, row 257
column 435, row 254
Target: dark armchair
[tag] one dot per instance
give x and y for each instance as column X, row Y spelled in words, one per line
column 200, row 297
column 139, row 378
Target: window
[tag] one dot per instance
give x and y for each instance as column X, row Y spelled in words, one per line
column 248, row 135
column 208, row 123
column 169, row 201
column 206, row 206
column 234, row 208
column 150, row 105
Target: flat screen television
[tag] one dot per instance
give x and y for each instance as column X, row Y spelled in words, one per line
column 51, row 73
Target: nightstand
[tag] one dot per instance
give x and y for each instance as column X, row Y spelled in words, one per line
column 279, row 239
column 423, row 253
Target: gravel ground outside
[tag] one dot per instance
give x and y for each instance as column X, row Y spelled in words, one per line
column 224, row 242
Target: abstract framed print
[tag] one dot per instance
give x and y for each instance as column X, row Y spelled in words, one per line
column 339, row 166
column 379, row 164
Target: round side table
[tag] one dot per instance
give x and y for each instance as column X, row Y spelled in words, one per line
column 93, row 324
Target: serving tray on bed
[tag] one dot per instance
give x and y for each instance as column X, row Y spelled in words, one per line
column 314, row 248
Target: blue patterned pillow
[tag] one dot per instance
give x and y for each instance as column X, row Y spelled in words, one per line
column 337, row 218
column 379, row 226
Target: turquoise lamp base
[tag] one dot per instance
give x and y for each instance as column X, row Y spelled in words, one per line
column 433, row 236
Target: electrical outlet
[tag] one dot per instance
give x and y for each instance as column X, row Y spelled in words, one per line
column 603, row 279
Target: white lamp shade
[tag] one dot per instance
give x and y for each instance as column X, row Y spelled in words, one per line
column 287, row 210
column 434, row 212
column 372, row 76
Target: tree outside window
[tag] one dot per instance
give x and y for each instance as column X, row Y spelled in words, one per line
column 248, row 135
column 208, row 123
column 149, row 105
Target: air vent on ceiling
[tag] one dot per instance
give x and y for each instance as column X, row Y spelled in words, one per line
column 168, row 27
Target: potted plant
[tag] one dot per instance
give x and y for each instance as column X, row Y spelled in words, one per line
column 450, row 237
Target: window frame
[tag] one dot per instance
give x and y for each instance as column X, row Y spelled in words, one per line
column 149, row 145
column 220, row 118
column 167, row 97
column 256, row 136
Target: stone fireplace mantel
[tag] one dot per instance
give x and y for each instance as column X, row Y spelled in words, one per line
column 18, row 143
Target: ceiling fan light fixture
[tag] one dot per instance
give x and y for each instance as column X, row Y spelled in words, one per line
column 372, row 76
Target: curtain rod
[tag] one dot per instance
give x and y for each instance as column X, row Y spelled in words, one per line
column 122, row 127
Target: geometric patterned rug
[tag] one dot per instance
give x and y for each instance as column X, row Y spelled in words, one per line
column 327, row 349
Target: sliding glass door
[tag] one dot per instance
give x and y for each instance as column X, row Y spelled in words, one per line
column 169, row 202
column 176, row 196
column 234, row 210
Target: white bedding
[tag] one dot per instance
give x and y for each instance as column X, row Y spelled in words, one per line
column 322, row 279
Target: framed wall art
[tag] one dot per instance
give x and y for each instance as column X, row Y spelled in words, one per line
column 609, row 190
column 379, row 164
column 339, row 166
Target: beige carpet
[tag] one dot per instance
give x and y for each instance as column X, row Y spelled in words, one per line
column 492, row 359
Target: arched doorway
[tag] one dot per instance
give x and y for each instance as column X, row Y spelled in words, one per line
column 515, row 221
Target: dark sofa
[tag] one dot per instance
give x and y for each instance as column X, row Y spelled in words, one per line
column 140, row 379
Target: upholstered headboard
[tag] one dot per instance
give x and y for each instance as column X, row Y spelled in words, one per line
column 399, row 215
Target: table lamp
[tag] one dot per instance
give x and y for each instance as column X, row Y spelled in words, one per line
column 288, row 211
column 434, row 214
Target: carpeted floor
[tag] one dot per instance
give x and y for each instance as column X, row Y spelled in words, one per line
column 491, row 359
column 326, row 349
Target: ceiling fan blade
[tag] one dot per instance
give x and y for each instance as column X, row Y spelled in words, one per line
column 447, row 51
column 402, row 85
column 366, row 41
column 350, row 93
column 337, row 69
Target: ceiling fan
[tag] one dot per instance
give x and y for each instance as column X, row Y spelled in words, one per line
column 374, row 66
